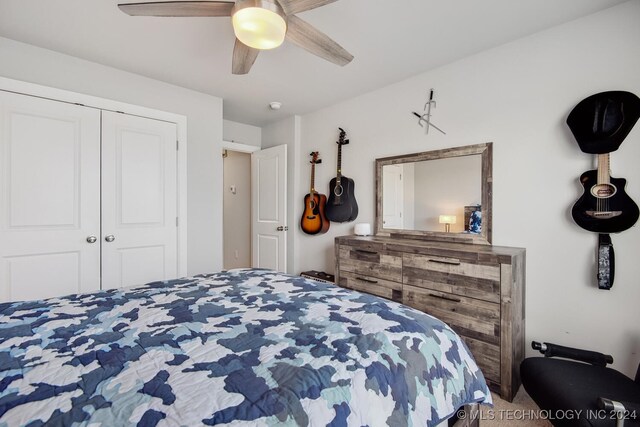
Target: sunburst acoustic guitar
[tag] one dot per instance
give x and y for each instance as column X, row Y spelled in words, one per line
column 313, row 219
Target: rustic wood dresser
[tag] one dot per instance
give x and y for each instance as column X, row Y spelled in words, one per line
column 478, row 290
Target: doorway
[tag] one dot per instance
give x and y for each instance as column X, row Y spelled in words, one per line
column 237, row 209
column 254, row 206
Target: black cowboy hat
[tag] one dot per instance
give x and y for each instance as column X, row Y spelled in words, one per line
column 602, row 121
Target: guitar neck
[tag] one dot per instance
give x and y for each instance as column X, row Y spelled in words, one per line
column 313, row 178
column 339, row 170
column 604, row 171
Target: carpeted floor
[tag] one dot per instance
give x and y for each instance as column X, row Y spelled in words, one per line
column 521, row 412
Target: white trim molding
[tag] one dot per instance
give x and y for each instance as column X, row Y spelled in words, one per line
column 242, row 148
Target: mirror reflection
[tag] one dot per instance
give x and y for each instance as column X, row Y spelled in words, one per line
column 442, row 195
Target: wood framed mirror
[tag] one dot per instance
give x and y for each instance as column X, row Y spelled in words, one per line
column 441, row 195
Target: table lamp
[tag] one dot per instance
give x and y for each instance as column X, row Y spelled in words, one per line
column 447, row 220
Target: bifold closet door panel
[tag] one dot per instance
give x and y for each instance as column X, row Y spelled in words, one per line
column 49, row 198
column 139, row 200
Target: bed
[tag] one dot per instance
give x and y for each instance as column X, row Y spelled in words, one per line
column 245, row 347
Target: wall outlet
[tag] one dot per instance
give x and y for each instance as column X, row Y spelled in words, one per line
column 237, row 254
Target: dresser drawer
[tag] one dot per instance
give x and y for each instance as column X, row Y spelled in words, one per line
column 371, row 285
column 453, row 276
column 469, row 317
column 487, row 356
column 374, row 263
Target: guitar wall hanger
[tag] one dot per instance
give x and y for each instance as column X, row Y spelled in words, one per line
column 599, row 124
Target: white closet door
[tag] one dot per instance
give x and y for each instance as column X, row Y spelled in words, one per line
column 139, row 200
column 49, row 198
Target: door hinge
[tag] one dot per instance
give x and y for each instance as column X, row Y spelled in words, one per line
column 177, row 145
column 177, row 222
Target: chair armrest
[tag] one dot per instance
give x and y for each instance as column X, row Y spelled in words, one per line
column 555, row 350
column 630, row 410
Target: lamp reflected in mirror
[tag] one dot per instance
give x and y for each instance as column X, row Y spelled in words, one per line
column 447, row 220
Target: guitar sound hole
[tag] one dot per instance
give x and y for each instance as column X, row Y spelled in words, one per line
column 603, row 191
column 312, row 204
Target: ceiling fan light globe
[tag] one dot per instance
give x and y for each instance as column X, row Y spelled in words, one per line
column 259, row 28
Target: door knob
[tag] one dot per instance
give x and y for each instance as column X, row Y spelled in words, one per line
column 109, row 238
column 92, row 239
column 281, row 228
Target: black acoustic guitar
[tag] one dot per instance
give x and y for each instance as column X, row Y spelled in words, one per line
column 604, row 207
column 342, row 205
column 313, row 219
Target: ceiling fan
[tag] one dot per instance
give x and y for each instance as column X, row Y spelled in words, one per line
column 258, row 25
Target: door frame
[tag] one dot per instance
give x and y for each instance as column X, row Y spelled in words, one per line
column 61, row 95
column 241, row 148
column 238, row 148
column 249, row 149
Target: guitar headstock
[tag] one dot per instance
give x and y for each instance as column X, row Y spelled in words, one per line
column 314, row 158
column 342, row 140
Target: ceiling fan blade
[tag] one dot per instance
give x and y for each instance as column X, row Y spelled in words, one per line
column 291, row 7
column 243, row 58
column 308, row 37
column 178, row 8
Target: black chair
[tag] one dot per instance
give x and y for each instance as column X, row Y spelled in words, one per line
column 581, row 391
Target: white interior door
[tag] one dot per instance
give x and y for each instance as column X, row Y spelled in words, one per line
column 269, row 208
column 392, row 197
column 49, row 198
column 139, row 200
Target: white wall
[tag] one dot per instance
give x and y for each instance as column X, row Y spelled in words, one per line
column 518, row 96
column 237, row 210
column 287, row 132
column 28, row 63
column 445, row 187
column 241, row 133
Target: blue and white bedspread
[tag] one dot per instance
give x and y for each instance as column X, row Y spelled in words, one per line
column 245, row 348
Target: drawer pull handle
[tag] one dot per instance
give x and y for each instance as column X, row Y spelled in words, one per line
column 445, row 297
column 362, row 251
column 366, row 280
column 445, row 261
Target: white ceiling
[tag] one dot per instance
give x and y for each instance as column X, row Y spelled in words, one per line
column 390, row 39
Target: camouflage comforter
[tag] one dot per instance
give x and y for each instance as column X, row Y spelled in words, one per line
column 245, row 347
